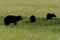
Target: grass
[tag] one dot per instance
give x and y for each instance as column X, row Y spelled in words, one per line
column 41, row 30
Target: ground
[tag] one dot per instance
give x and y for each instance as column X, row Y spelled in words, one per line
column 41, row 30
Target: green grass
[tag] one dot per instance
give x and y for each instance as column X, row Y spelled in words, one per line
column 41, row 30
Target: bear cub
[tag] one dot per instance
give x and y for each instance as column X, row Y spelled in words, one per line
column 50, row 16
column 32, row 18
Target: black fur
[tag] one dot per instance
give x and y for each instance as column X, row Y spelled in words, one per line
column 12, row 19
column 50, row 16
column 32, row 18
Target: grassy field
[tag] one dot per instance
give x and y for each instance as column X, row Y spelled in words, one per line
column 41, row 30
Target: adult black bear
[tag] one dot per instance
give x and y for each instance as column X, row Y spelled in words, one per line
column 50, row 16
column 12, row 19
column 32, row 18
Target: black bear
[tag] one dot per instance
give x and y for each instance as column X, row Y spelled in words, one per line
column 12, row 19
column 32, row 18
column 50, row 16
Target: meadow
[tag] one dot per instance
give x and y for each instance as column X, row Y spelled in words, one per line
column 42, row 29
